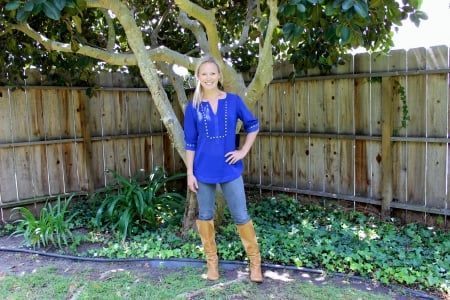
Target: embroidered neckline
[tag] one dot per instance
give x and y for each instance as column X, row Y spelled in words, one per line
column 205, row 109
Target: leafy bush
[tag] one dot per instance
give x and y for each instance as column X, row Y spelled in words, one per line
column 128, row 205
column 52, row 227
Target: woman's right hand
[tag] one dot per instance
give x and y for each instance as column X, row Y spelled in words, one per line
column 192, row 183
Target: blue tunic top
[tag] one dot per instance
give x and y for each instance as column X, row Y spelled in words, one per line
column 211, row 136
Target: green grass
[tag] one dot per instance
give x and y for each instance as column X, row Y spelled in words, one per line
column 47, row 283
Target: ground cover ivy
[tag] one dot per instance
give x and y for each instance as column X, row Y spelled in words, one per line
column 313, row 236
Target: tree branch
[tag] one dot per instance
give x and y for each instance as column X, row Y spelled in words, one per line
column 196, row 28
column 207, row 18
column 113, row 58
column 264, row 70
column 251, row 6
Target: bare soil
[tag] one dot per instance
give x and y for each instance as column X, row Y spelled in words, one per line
column 16, row 263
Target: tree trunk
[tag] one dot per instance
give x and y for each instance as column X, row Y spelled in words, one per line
column 191, row 211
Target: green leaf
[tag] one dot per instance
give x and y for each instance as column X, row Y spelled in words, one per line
column 301, row 8
column 59, row 4
column 22, row 15
column 347, row 4
column 13, row 5
column 51, row 11
column 361, row 8
column 344, row 34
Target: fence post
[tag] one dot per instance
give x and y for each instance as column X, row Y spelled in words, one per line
column 387, row 100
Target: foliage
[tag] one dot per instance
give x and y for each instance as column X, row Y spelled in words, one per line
column 312, row 33
column 312, row 236
column 52, row 227
column 405, row 111
column 128, row 205
column 318, row 33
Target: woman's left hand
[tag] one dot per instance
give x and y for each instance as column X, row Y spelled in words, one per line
column 233, row 157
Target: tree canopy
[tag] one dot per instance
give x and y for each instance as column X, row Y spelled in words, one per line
column 310, row 33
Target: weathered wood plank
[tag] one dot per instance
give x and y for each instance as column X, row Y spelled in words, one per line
column 416, row 152
column 362, row 169
column 302, row 157
column 8, row 189
column 363, row 126
column 277, row 161
column 332, row 163
column 437, row 125
column 300, row 107
column 346, row 167
column 317, row 164
column 416, row 161
column 24, row 171
column 330, row 106
column 316, row 106
column 436, row 176
column 289, row 162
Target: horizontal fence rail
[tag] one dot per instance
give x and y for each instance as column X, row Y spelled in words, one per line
column 338, row 136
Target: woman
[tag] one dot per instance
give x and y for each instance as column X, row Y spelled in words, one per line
column 213, row 158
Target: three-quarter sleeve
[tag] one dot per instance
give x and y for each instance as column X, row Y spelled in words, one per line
column 250, row 122
column 190, row 128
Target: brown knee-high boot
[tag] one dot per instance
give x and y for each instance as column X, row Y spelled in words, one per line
column 207, row 235
column 248, row 237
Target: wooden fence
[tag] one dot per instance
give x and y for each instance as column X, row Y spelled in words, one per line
column 337, row 136
column 58, row 141
column 341, row 136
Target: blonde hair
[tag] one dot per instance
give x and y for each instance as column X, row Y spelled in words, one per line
column 198, row 93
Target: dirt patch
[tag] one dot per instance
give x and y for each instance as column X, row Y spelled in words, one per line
column 16, row 262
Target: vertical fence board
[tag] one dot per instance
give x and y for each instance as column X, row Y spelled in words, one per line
column 379, row 63
column 252, row 163
column 289, row 162
column 363, row 170
column 120, row 157
column 158, row 145
column 266, row 160
column 399, row 149
column 278, row 101
column 317, row 119
column 22, row 156
column 277, row 161
column 317, row 164
column 120, row 113
column 5, row 118
column 8, row 190
column 109, row 123
column 331, row 146
column 302, row 162
column 316, row 106
column 416, row 151
column 300, row 108
column 95, row 105
column 332, row 163
column 437, row 119
column 346, row 167
column 346, row 120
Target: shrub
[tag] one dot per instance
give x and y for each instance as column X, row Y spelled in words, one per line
column 128, row 205
column 53, row 225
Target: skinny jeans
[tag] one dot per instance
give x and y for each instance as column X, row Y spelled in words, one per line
column 234, row 194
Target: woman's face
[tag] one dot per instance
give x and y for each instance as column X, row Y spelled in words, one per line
column 209, row 76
